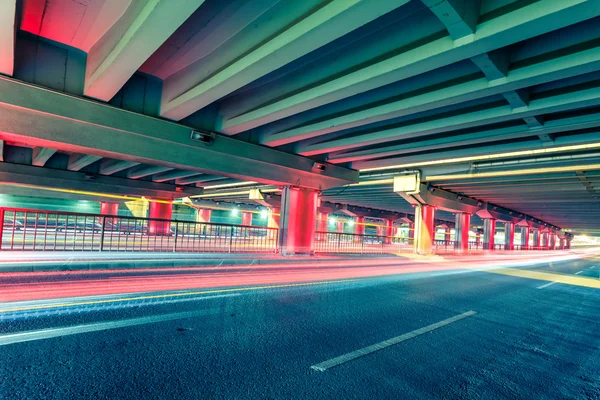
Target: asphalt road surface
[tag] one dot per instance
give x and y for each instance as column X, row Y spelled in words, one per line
column 528, row 331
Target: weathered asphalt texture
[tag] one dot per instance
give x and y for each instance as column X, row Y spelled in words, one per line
column 524, row 342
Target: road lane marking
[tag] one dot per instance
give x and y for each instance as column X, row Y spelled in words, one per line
column 547, row 284
column 29, row 336
column 547, row 276
column 325, row 365
column 158, row 296
column 577, row 273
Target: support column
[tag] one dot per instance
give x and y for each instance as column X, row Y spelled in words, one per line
column 323, row 222
column 509, row 236
column 273, row 219
column 203, row 215
column 247, row 218
column 524, row 238
column 561, row 243
column 340, row 226
column 389, row 231
column 359, row 228
column 109, row 208
column 298, row 220
column 536, row 239
column 461, row 229
column 160, row 210
column 489, row 231
column 447, row 233
column 411, row 231
column 379, row 230
column 544, row 240
column 568, row 246
column 424, row 229
column 478, row 239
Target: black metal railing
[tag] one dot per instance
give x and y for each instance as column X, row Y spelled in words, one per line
column 35, row 230
column 348, row 243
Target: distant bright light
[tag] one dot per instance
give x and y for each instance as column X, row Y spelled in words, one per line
column 264, row 213
column 350, row 223
column 332, row 220
column 235, row 212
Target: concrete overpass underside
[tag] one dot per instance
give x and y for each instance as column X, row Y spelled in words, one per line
column 494, row 103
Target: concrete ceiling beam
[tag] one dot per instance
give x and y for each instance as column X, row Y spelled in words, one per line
column 79, row 161
column 143, row 28
column 109, row 167
column 40, row 155
column 333, row 20
column 50, row 119
column 529, row 21
column 459, row 16
column 79, row 182
column 560, row 68
column 558, row 103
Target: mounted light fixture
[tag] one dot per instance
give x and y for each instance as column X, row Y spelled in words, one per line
column 208, row 138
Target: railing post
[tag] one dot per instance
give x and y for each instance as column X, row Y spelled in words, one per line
column 175, row 239
column 231, row 239
column 1, row 225
column 102, row 233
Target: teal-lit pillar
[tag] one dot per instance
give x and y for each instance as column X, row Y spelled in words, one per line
column 461, row 229
column 509, row 236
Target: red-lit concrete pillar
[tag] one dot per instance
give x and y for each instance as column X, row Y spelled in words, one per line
column 552, row 241
column 461, row 232
column 203, row 215
column 298, row 220
column 447, row 235
column 322, row 222
column 163, row 211
column 536, row 239
column 568, row 245
column 424, row 229
column 389, row 231
column 524, row 238
column 478, row 234
column 489, row 231
column 247, row 218
column 109, row 208
column 273, row 219
column 379, row 230
column 509, row 236
column 359, row 227
column 561, row 243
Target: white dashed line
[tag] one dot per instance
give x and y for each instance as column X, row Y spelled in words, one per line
column 547, row 284
column 577, row 273
column 28, row 336
column 387, row 343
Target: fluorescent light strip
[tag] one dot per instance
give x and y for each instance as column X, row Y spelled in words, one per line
column 226, row 185
column 572, row 168
column 489, row 156
column 202, row 196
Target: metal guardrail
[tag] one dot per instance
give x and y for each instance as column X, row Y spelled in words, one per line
column 37, row 230
column 348, row 243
